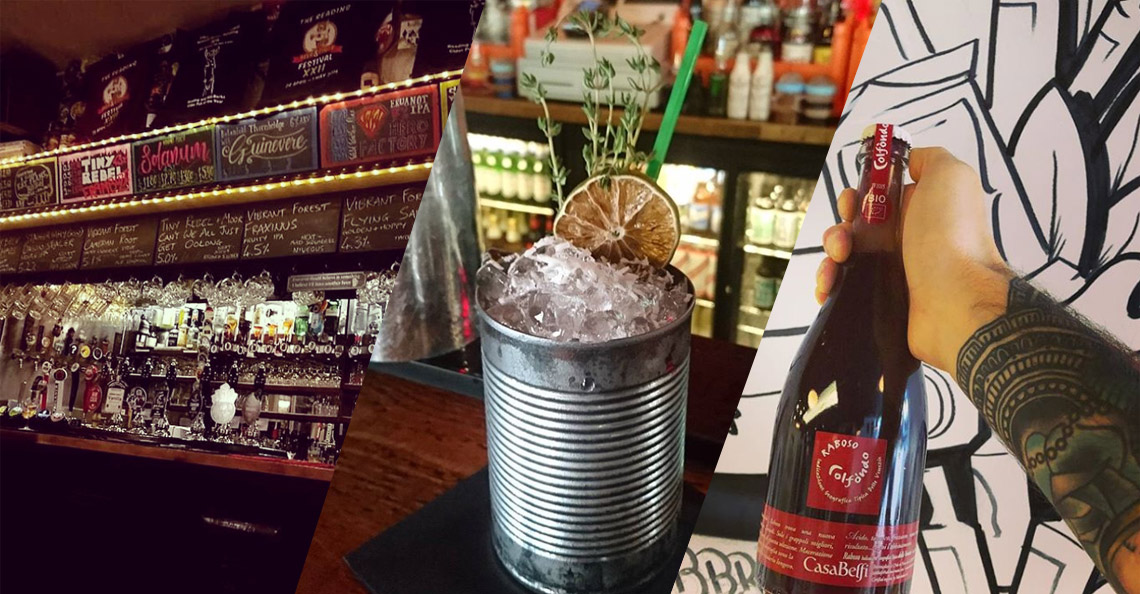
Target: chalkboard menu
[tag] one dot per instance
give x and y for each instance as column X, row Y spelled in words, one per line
column 195, row 237
column 7, row 190
column 28, row 185
column 53, row 249
column 174, row 161
column 396, row 125
column 128, row 243
column 447, row 91
column 10, row 244
column 281, row 143
column 379, row 218
column 94, row 174
column 291, row 228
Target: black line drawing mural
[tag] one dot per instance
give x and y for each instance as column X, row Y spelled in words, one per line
column 1041, row 98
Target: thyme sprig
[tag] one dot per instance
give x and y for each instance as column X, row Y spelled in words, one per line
column 610, row 148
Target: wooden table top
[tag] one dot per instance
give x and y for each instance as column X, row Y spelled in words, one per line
column 409, row 443
column 277, row 466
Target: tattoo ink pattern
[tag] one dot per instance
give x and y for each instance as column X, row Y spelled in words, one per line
column 1066, row 402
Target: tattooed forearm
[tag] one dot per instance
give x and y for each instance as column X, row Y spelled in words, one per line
column 1066, row 402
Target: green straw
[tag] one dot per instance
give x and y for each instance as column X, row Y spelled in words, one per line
column 677, row 97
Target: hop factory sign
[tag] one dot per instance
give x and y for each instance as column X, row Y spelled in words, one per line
column 95, row 174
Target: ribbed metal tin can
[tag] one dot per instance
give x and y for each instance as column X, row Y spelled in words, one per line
column 586, row 453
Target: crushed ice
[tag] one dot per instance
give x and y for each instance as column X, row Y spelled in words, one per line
column 558, row 291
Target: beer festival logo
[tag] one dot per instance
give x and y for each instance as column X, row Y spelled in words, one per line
column 114, row 94
column 319, row 39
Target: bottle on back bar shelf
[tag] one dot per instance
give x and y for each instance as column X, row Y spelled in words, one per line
column 116, row 395
column 138, row 398
column 160, row 425
column 845, row 479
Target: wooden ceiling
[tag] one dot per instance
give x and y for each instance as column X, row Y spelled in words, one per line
column 62, row 30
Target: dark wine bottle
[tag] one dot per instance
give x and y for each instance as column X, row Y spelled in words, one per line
column 845, row 479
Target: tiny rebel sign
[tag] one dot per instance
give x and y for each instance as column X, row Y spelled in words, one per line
column 29, row 185
column 194, row 237
column 175, row 161
column 94, row 174
column 398, row 125
column 278, row 144
column 379, row 218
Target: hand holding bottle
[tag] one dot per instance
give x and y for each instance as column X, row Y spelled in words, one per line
column 956, row 277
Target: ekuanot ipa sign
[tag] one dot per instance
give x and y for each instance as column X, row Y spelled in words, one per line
column 264, row 147
column 397, row 125
column 175, row 161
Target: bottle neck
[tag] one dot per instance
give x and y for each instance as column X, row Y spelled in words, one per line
column 879, row 195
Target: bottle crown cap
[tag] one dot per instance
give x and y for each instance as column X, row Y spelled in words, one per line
column 897, row 132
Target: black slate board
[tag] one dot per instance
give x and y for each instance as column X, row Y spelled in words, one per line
column 56, row 248
column 379, row 218
column 446, row 547
column 10, row 245
column 29, row 185
column 120, row 243
column 194, row 237
column 291, row 228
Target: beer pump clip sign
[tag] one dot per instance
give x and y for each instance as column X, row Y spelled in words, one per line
column 94, row 174
column 174, row 161
column 28, row 185
column 264, row 147
column 397, row 125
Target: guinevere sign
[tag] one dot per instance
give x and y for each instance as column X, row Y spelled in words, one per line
column 282, row 143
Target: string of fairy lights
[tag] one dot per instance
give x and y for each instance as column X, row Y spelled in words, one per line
column 126, row 204
column 321, row 100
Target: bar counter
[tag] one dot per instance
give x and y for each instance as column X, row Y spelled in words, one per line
column 103, row 514
column 275, row 466
column 410, row 442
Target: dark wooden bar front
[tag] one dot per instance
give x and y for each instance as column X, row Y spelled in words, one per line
column 409, row 443
column 88, row 515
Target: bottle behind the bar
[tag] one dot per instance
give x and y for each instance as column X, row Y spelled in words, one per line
column 138, row 398
column 116, row 395
column 159, row 424
column 845, row 479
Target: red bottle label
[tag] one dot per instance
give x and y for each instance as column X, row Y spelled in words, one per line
column 847, row 473
column 876, row 208
column 835, row 553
